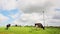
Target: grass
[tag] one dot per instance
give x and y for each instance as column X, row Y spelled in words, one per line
column 29, row 30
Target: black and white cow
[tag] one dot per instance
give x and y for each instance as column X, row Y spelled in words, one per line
column 7, row 26
column 39, row 25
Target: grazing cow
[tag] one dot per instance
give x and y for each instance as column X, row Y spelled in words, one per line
column 39, row 25
column 16, row 25
column 7, row 26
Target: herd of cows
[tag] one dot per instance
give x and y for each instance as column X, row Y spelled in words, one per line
column 38, row 25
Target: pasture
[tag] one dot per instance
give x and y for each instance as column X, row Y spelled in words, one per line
column 29, row 30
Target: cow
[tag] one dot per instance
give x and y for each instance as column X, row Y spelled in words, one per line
column 16, row 25
column 39, row 25
column 7, row 26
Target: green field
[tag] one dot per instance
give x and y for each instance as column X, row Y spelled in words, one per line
column 29, row 30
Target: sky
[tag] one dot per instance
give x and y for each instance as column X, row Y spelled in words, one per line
column 28, row 12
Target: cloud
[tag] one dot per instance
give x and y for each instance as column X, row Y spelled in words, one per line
column 16, row 16
column 3, row 18
column 54, row 21
column 57, row 15
column 29, row 19
column 8, row 4
column 30, row 6
column 32, row 11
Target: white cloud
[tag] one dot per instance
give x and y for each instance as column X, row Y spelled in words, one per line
column 8, row 4
column 15, row 16
column 29, row 6
column 3, row 18
column 29, row 19
column 32, row 8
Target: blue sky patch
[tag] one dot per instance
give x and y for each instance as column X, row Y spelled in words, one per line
column 9, row 12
